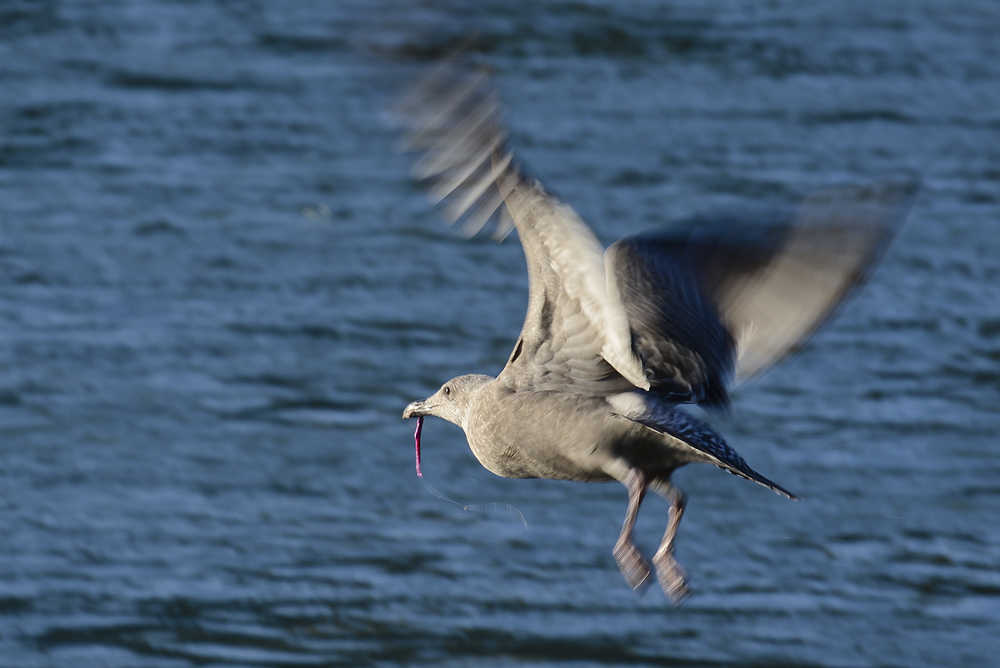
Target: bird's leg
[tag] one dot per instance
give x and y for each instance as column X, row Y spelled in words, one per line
column 633, row 565
column 668, row 571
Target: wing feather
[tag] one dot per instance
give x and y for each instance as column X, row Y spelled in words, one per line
column 453, row 118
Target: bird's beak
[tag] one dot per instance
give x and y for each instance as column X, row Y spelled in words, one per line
column 416, row 409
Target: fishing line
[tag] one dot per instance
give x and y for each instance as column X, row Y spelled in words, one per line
column 484, row 508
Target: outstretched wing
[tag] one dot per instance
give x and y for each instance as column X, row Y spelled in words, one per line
column 682, row 313
column 575, row 334
column 713, row 301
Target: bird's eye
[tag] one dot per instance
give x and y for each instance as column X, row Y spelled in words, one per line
column 447, row 391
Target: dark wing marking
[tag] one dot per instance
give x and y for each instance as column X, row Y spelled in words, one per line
column 687, row 353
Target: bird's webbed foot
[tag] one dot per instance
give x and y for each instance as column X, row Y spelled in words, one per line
column 632, row 564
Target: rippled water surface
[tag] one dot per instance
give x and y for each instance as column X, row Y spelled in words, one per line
column 218, row 289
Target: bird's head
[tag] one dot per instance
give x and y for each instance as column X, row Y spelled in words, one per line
column 451, row 402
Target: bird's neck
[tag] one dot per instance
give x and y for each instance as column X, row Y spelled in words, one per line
column 475, row 397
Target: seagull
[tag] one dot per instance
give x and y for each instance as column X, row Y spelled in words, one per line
column 616, row 340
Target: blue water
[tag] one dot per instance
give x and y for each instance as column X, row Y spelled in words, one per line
column 218, row 289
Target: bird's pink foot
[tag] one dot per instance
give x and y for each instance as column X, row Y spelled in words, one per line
column 633, row 565
column 671, row 575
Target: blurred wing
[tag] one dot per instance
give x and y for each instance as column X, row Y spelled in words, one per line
column 829, row 250
column 726, row 299
column 573, row 333
column 686, row 350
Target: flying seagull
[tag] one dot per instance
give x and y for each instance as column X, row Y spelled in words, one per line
column 615, row 339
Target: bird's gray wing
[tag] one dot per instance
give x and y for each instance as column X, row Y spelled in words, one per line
column 718, row 300
column 664, row 417
column 575, row 335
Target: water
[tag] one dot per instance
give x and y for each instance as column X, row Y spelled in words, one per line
column 218, row 290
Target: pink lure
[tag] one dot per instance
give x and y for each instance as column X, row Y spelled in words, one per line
column 416, row 439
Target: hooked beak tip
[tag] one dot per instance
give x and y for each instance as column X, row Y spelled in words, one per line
column 413, row 410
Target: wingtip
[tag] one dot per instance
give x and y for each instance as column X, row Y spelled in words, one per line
column 743, row 470
column 774, row 487
column 785, row 493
